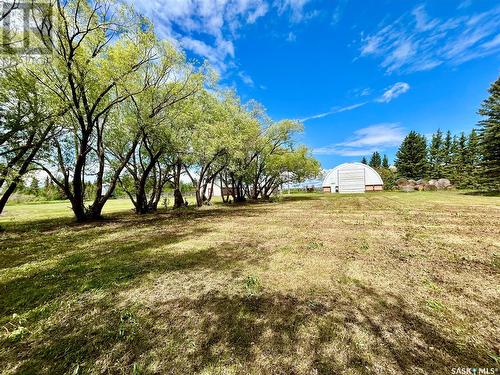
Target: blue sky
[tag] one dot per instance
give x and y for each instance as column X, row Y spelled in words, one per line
column 359, row 73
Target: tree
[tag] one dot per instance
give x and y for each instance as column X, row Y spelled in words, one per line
column 277, row 138
column 490, row 138
column 436, row 155
column 249, row 144
column 411, row 158
column 448, row 155
column 363, row 161
column 27, row 121
column 151, row 165
column 34, row 188
column 99, row 50
column 473, row 161
column 288, row 166
column 375, row 160
column 7, row 8
column 385, row 162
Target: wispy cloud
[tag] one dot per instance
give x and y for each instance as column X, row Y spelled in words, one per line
column 247, row 80
column 393, row 92
column 333, row 111
column 296, row 8
column 339, row 9
column 365, row 141
column 207, row 28
column 417, row 42
column 389, row 94
column 291, row 37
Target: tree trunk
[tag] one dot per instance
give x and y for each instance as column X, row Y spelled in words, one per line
column 178, row 199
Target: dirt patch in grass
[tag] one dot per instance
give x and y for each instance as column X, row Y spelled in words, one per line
column 378, row 283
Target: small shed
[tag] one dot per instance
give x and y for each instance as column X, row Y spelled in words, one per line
column 352, row 178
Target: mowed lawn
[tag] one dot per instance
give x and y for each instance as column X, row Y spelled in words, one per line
column 386, row 283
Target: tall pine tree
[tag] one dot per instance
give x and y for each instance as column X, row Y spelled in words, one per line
column 411, row 158
column 436, row 155
column 490, row 138
column 375, row 160
column 385, row 162
column 447, row 155
column 459, row 161
column 473, row 162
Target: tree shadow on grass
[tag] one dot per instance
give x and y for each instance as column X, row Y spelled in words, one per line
column 126, row 217
column 483, row 193
column 49, row 238
column 113, row 265
column 361, row 332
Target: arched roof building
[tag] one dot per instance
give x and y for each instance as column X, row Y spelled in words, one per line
column 352, row 178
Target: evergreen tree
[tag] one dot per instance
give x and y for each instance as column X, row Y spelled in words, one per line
column 375, row 160
column 459, row 161
column 411, row 158
column 447, row 156
column 490, row 138
column 436, row 155
column 34, row 186
column 385, row 162
column 363, row 161
column 473, row 162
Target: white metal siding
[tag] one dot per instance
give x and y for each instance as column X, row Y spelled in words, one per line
column 352, row 181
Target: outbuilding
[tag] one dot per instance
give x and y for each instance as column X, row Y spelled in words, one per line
column 352, row 178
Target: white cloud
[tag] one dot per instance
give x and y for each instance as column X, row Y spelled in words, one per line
column 393, row 92
column 339, row 9
column 247, row 80
column 416, row 42
column 378, row 135
column 205, row 27
column 464, row 4
column 333, row 150
column 360, row 92
column 291, row 37
column 422, row 20
column 296, row 7
column 333, row 111
column 365, row 92
column 389, row 94
column 365, row 141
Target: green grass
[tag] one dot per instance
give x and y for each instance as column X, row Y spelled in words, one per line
column 329, row 284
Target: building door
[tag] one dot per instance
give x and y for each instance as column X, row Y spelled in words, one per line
column 352, row 181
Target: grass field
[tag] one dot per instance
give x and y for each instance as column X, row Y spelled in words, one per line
column 386, row 283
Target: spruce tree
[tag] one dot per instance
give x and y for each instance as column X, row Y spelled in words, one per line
column 385, row 162
column 411, row 158
column 447, row 156
column 34, row 186
column 436, row 155
column 473, row 161
column 490, row 138
column 375, row 160
column 363, row 161
column 459, row 161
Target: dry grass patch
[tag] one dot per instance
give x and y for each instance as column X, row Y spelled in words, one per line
column 315, row 284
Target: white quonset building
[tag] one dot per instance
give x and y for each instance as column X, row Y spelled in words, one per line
column 352, row 178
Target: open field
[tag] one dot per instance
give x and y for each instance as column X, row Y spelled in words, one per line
column 386, row 283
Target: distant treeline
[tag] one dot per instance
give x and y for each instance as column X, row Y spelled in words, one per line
column 468, row 160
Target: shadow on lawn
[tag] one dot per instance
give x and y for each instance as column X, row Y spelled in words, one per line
column 44, row 239
column 365, row 332
column 79, row 258
column 483, row 193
